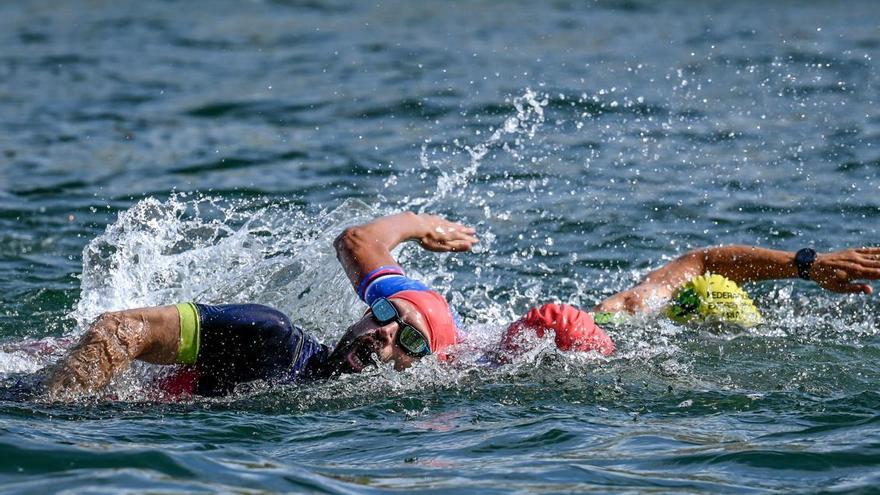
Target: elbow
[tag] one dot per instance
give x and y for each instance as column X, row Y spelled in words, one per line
column 348, row 241
column 696, row 256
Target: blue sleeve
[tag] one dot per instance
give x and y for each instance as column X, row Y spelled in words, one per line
column 389, row 285
column 386, row 281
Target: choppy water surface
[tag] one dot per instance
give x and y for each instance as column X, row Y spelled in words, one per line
column 154, row 152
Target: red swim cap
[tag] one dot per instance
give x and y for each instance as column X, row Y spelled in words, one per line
column 438, row 316
column 575, row 329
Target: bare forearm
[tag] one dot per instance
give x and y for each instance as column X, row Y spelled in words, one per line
column 363, row 248
column 394, row 229
column 109, row 346
column 748, row 263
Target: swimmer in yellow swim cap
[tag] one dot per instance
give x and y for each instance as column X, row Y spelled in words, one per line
column 702, row 284
column 713, row 297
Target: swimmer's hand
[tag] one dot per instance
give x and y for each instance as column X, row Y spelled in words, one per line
column 440, row 235
column 839, row 270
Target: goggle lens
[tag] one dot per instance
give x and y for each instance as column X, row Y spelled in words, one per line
column 384, row 311
column 413, row 341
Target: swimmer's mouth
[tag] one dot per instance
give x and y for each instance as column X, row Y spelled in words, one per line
column 359, row 357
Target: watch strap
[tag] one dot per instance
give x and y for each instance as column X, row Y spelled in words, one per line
column 803, row 260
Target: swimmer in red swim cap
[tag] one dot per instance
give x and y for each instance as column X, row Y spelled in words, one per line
column 220, row 346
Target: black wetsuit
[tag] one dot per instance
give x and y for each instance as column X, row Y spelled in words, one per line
column 246, row 342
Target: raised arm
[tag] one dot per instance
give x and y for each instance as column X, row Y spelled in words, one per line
column 364, row 248
column 836, row 271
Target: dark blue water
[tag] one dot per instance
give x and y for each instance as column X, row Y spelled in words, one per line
column 154, row 152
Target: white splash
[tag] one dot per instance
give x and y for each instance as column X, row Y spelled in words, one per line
column 514, row 133
column 220, row 252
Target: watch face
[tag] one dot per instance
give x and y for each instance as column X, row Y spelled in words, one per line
column 804, row 259
column 805, row 256
column 383, row 310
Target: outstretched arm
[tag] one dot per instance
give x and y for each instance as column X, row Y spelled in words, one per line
column 363, row 248
column 837, row 271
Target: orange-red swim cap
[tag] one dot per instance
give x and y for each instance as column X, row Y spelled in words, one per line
column 575, row 329
column 434, row 308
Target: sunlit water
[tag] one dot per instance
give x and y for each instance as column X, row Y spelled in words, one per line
column 160, row 152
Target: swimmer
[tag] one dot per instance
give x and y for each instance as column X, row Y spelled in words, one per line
column 839, row 271
column 712, row 273
column 220, row 346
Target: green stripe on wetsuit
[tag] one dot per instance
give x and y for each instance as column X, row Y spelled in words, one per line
column 188, row 350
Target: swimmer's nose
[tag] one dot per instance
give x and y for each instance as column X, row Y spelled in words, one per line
column 385, row 334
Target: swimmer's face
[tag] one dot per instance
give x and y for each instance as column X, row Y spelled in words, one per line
column 366, row 338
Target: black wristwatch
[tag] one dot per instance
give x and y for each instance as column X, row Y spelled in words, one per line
column 804, row 259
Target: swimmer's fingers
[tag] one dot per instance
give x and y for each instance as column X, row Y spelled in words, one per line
column 833, row 279
column 861, row 259
column 862, row 263
column 838, row 272
column 853, row 289
column 848, row 288
column 869, row 264
column 873, row 252
column 868, row 257
column 464, row 243
column 461, row 245
column 861, row 269
column 864, row 270
column 442, row 235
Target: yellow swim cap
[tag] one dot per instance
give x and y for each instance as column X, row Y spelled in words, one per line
column 713, row 298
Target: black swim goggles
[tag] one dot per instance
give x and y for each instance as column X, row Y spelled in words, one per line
column 409, row 339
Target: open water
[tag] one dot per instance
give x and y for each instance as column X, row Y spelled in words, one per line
column 153, row 152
